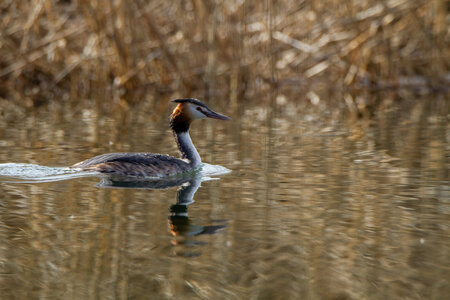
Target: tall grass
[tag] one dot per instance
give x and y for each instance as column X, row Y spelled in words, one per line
column 77, row 49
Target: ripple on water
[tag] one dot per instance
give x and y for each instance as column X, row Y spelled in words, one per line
column 21, row 172
column 213, row 170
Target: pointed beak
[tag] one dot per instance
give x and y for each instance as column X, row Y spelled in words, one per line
column 214, row 115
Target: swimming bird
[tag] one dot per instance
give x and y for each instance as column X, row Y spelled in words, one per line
column 158, row 165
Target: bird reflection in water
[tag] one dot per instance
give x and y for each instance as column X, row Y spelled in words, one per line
column 182, row 227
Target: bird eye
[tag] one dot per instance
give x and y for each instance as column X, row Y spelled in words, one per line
column 199, row 109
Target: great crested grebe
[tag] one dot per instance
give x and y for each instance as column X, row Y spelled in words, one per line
column 158, row 165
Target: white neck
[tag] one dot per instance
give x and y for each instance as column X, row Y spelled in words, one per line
column 187, row 149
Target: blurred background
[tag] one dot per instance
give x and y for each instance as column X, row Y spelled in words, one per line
column 122, row 51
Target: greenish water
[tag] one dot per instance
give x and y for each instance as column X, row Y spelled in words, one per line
column 316, row 206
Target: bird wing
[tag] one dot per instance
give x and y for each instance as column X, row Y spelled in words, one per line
column 135, row 164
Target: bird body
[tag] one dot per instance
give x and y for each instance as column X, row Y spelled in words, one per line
column 158, row 165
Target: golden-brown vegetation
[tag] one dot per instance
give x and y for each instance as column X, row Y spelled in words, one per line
column 77, row 49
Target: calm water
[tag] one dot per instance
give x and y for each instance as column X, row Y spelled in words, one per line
column 316, row 206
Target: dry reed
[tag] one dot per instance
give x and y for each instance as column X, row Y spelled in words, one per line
column 78, row 49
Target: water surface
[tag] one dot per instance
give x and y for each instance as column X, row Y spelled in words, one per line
column 316, row 206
